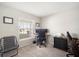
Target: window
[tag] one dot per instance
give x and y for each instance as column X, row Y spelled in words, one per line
column 24, row 29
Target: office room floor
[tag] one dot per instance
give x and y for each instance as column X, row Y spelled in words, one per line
column 35, row 51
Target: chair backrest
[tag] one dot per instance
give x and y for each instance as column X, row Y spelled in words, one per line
column 72, row 42
column 41, row 32
column 9, row 42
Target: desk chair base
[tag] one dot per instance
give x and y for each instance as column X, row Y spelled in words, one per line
column 2, row 54
column 68, row 55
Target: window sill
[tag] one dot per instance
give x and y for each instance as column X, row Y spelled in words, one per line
column 26, row 39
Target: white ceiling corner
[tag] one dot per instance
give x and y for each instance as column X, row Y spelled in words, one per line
column 41, row 9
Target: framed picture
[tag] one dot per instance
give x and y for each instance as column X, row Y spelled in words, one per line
column 7, row 20
column 37, row 24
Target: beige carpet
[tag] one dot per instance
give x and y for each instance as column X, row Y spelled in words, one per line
column 35, row 51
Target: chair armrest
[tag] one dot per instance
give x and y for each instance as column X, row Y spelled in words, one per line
column 0, row 45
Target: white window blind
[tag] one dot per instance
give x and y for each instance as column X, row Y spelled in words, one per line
column 24, row 29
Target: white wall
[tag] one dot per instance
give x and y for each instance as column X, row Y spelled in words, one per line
column 11, row 29
column 67, row 20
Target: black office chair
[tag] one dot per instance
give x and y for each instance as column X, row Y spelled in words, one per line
column 8, row 44
column 41, row 37
column 72, row 46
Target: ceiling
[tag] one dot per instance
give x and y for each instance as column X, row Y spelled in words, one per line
column 41, row 9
